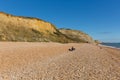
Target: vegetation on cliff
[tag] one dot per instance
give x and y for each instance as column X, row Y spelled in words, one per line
column 28, row 29
column 77, row 36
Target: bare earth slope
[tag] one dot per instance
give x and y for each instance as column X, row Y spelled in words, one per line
column 76, row 35
column 53, row 61
column 29, row 29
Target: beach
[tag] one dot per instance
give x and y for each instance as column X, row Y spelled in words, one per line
column 53, row 61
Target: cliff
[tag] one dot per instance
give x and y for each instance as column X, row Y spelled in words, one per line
column 18, row 28
column 77, row 36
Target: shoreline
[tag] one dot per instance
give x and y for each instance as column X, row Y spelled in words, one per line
column 108, row 46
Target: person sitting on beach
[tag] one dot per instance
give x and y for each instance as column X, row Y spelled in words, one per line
column 72, row 49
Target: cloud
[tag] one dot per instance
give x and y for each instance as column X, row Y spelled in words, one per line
column 114, row 40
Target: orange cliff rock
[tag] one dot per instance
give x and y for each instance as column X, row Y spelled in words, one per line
column 28, row 22
column 19, row 28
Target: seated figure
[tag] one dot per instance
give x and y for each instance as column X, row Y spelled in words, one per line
column 72, row 49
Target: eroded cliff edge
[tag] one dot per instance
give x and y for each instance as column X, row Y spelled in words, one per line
column 29, row 29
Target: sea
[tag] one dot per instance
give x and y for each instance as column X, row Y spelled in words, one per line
column 115, row 45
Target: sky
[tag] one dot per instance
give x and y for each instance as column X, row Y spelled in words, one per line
column 98, row 18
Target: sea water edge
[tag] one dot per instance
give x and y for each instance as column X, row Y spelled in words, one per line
column 109, row 46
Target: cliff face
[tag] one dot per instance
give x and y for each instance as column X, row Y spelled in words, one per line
column 18, row 28
column 27, row 22
column 77, row 36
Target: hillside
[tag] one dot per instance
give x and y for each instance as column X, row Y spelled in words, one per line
column 76, row 35
column 28, row 29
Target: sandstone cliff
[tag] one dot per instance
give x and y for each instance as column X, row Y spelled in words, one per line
column 76, row 35
column 18, row 28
